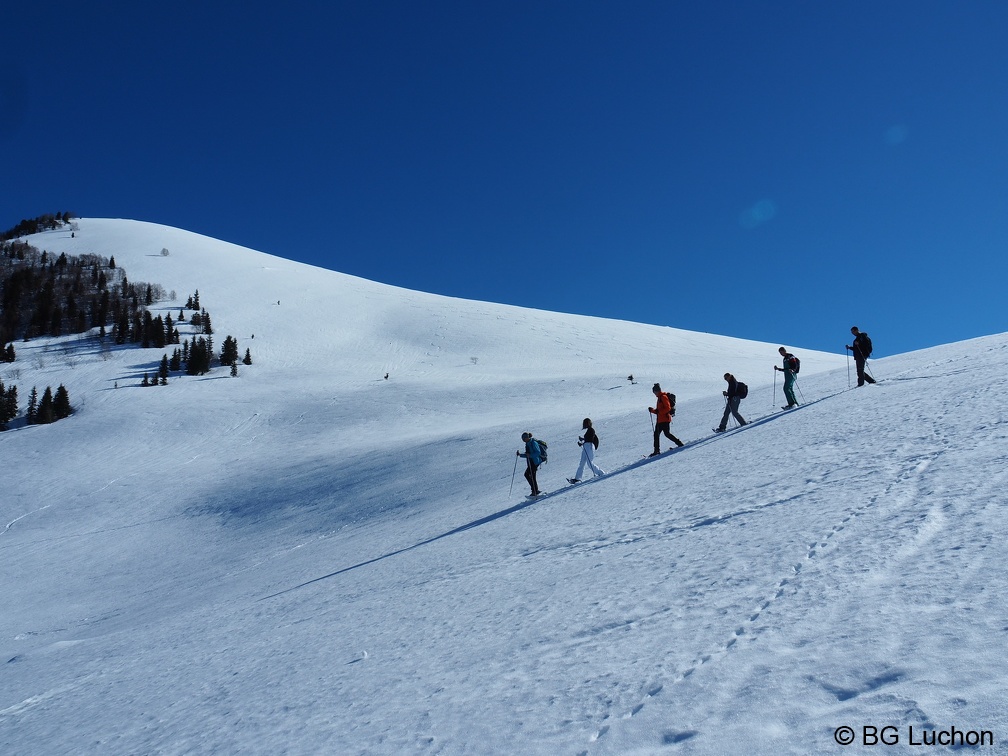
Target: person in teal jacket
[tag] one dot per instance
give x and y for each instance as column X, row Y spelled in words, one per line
column 789, row 377
column 533, row 456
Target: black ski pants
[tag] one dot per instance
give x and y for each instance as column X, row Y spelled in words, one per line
column 530, row 476
column 665, row 428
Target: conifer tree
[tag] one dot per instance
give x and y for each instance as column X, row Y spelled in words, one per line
column 199, row 358
column 46, row 414
column 163, row 370
column 61, row 404
column 248, row 357
column 8, row 405
column 229, row 354
column 32, row 413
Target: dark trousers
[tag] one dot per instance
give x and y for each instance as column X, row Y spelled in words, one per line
column 862, row 376
column 666, row 429
column 731, row 408
column 530, row 476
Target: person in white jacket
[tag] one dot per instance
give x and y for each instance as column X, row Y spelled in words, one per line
column 589, row 444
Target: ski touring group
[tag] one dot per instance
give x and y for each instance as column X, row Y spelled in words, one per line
column 535, row 451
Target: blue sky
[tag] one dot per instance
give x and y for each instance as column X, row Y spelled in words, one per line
column 775, row 171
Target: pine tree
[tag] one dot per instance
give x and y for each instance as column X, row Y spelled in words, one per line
column 145, row 381
column 46, row 414
column 163, row 370
column 234, row 369
column 61, row 404
column 229, row 354
column 8, row 405
column 199, row 358
column 248, row 357
column 32, row 412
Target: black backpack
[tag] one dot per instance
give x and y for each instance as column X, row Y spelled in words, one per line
column 741, row 390
column 864, row 344
column 671, row 401
column 794, row 363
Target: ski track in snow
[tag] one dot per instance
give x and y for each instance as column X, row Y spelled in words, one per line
column 748, row 627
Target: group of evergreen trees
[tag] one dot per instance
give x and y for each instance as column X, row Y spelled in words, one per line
column 46, row 222
column 43, row 296
column 198, row 356
column 47, row 410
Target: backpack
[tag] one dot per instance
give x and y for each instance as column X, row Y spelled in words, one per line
column 542, row 450
column 864, row 345
column 794, row 363
column 671, row 401
column 741, row 391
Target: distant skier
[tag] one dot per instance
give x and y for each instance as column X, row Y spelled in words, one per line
column 862, row 349
column 663, row 419
column 589, row 444
column 533, row 456
column 735, row 393
column 790, row 369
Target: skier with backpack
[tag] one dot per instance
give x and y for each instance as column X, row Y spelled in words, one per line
column 535, row 455
column 737, row 391
column 664, row 409
column 862, row 349
column 589, row 444
column 791, row 367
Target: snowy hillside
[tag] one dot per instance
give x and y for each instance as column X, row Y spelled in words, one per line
column 312, row 558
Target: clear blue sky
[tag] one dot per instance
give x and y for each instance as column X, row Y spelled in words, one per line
column 769, row 170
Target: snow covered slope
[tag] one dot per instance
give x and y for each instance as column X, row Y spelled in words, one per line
column 311, row 558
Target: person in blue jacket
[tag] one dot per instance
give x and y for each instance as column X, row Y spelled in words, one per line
column 533, row 456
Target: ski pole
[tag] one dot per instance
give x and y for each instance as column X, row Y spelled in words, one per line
column 734, row 423
column 773, row 402
column 799, row 390
column 513, row 476
column 848, row 367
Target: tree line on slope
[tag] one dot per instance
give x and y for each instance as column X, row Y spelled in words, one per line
column 47, row 295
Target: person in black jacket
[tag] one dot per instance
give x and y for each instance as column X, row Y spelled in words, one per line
column 588, row 443
column 790, row 362
column 732, row 400
column 862, row 349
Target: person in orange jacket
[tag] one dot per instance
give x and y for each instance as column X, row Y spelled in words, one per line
column 663, row 412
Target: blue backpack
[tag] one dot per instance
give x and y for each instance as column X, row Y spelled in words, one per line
column 542, row 449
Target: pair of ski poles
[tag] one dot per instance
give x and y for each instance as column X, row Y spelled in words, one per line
column 774, row 401
column 865, row 367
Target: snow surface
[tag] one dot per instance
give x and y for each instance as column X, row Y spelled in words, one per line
column 310, row 558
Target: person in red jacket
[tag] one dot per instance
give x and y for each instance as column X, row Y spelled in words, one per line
column 663, row 412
